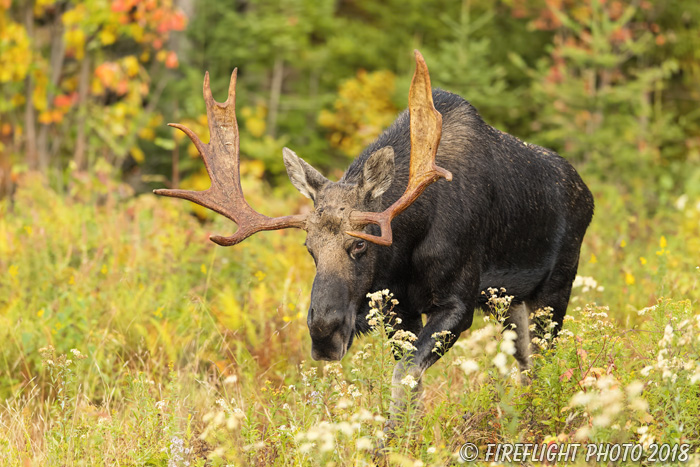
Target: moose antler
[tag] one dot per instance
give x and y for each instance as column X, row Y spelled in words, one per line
column 426, row 129
column 221, row 157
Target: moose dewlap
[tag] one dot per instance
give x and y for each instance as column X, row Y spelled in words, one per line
column 508, row 215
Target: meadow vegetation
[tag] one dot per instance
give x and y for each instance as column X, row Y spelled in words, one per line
column 128, row 339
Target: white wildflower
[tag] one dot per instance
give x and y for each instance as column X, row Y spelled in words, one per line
column 306, row 447
column 409, row 381
column 508, row 343
column 634, row 388
column 681, row 202
column 601, row 420
column 231, row 379
column 364, row 444
column 581, row 398
column 586, row 283
column 469, row 366
column 343, row 404
column 500, row 361
column 695, row 378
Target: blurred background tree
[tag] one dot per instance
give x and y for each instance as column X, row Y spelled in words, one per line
column 88, row 86
column 81, row 81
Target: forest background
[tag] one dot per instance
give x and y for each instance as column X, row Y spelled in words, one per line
column 90, row 260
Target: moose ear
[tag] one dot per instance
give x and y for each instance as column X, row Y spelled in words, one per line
column 378, row 172
column 305, row 178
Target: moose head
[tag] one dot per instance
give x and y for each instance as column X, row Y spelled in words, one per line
column 341, row 230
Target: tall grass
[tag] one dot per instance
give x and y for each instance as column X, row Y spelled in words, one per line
column 130, row 339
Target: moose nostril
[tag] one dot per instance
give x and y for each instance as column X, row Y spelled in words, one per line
column 323, row 324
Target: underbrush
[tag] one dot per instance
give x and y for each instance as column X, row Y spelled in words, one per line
column 129, row 339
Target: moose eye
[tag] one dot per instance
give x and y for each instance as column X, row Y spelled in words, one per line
column 358, row 248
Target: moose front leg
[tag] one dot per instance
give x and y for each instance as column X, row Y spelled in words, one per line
column 452, row 315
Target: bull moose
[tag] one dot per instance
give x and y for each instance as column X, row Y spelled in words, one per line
column 509, row 214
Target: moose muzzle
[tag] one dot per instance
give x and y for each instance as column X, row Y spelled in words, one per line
column 330, row 333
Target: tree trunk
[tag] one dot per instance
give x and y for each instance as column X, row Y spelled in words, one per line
column 5, row 165
column 58, row 51
column 275, row 92
column 29, row 114
column 175, row 178
column 79, row 156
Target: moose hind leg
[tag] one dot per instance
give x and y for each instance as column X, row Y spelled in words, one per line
column 553, row 294
column 518, row 320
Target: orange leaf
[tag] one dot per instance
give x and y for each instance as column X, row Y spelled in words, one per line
column 56, row 116
column 106, row 72
column 119, row 6
column 582, row 353
column 178, row 21
column 62, row 100
column 171, row 60
column 122, row 87
column 567, row 375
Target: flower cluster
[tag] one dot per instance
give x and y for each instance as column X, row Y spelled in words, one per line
column 541, row 320
column 324, row 434
column 381, row 312
column 228, row 414
column 307, row 376
column 442, row 340
column 595, row 318
column 486, row 347
column 586, row 284
column 402, row 343
column 409, row 381
column 498, row 302
column 605, row 402
column 361, row 355
column 676, row 356
column 507, row 347
column 382, row 316
column 177, row 452
column 345, row 391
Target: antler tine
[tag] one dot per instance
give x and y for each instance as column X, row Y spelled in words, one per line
column 426, row 129
column 222, row 160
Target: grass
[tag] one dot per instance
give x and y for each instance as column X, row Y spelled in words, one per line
column 129, row 339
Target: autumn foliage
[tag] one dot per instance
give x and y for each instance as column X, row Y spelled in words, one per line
column 76, row 78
